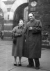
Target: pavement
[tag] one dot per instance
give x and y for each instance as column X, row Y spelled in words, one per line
column 7, row 60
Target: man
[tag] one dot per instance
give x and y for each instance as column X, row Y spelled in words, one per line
column 32, row 46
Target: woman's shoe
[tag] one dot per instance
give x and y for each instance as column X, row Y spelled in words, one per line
column 19, row 64
column 15, row 63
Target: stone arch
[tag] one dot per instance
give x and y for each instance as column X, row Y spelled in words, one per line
column 19, row 12
column 3, row 6
column 17, row 4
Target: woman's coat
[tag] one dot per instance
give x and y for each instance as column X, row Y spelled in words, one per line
column 18, row 47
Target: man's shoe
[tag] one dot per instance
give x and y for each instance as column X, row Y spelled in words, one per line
column 30, row 65
column 38, row 67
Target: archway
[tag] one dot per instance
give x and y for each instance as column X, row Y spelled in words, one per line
column 3, row 7
column 19, row 13
column 17, row 3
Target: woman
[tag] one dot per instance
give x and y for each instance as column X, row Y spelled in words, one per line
column 18, row 33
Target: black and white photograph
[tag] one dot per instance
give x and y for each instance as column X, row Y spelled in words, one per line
column 24, row 35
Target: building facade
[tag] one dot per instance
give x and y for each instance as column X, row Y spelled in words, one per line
column 13, row 10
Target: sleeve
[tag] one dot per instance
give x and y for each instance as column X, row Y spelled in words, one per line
column 40, row 24
column 38, row 29
column 25, row 27
column 14, row 31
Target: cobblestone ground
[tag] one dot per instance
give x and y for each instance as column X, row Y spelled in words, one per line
column 6, row 59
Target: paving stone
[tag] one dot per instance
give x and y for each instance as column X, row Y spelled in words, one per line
column 7, row 60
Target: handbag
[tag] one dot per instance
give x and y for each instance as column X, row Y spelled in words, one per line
column 14, row 40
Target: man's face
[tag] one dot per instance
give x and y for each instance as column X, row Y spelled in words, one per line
column 31, row 18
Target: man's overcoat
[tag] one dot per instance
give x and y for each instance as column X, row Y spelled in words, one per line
column 33, row 39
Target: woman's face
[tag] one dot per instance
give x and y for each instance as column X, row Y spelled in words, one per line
column 21, row 23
